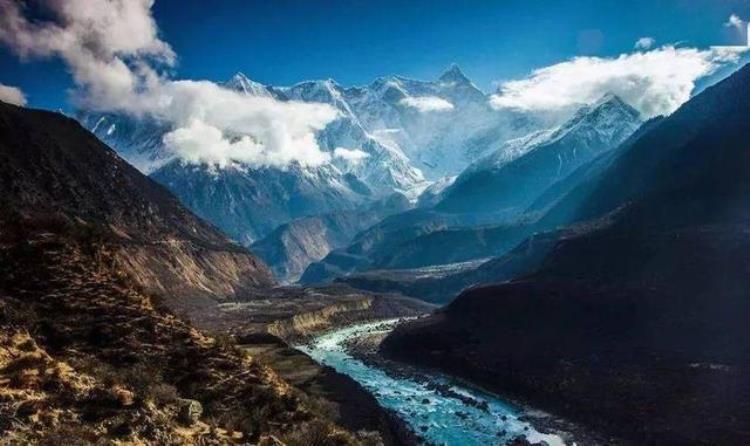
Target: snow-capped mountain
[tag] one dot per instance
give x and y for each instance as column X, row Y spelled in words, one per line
column 481, row 213
column 413, row 132
column 385, row 167
column 242, row 83
column 440, row 126
column 138, row 141
column 248, row 204
column 407, row 133
column 509, row 179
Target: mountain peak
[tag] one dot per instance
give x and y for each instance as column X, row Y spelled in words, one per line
column 239, row 77
column 331, row 83
column 609, row 104
column 453, row 74
column 612, row 101
column 609, row 98
column 240, row 82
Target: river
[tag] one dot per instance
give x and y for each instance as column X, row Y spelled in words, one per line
column 442, row 418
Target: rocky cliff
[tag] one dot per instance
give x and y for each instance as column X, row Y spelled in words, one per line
column 305, row 324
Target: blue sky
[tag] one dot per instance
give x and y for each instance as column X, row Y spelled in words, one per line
column 282, row 42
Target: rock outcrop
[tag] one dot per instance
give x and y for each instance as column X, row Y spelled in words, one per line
column 316, row 321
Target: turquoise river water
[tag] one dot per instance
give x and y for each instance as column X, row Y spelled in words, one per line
column 439, row 417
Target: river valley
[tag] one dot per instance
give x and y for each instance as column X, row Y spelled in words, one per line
column 439, row 409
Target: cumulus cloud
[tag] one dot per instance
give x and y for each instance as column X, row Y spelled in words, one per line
column 655, row 82
column 426, row 104
column 119, row 64
column 108, row 46
column 12, row 95
column 645, row 43
column 352, row 156
column 221, row 126
column 734, row 21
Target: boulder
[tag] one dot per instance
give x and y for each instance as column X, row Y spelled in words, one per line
column 190, row 411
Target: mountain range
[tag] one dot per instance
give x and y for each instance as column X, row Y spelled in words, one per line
column 411, row 133
column 482, row 213
column 512, row 177
column 472, row 172
column 600, row 267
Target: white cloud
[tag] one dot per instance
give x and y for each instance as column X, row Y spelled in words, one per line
column 199, row 142
column 427, row 104
column 259, row 131
column 654, row 82
column 117, row 60
column 12, row 95
column 645, row 43
column 353, row 156
column 734, row 21
column 108, row 46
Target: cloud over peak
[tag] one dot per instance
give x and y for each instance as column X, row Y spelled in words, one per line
column 351, row 156
column 655, row 82
column 218, row 126
column 118, row 62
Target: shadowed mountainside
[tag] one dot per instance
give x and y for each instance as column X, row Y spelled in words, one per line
column 634, row 321
column 482, row 213
column 293, row 246
column 53, row 169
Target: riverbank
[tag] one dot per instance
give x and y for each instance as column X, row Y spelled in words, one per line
column 335, row 394
column 295, row 313
column 366, row 349
column 267, row 323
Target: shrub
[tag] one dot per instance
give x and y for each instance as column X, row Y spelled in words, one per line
column 316, row 433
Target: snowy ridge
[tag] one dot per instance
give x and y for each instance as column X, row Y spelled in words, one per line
column 608, row 120
column 240, row 82
column 406, row 149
